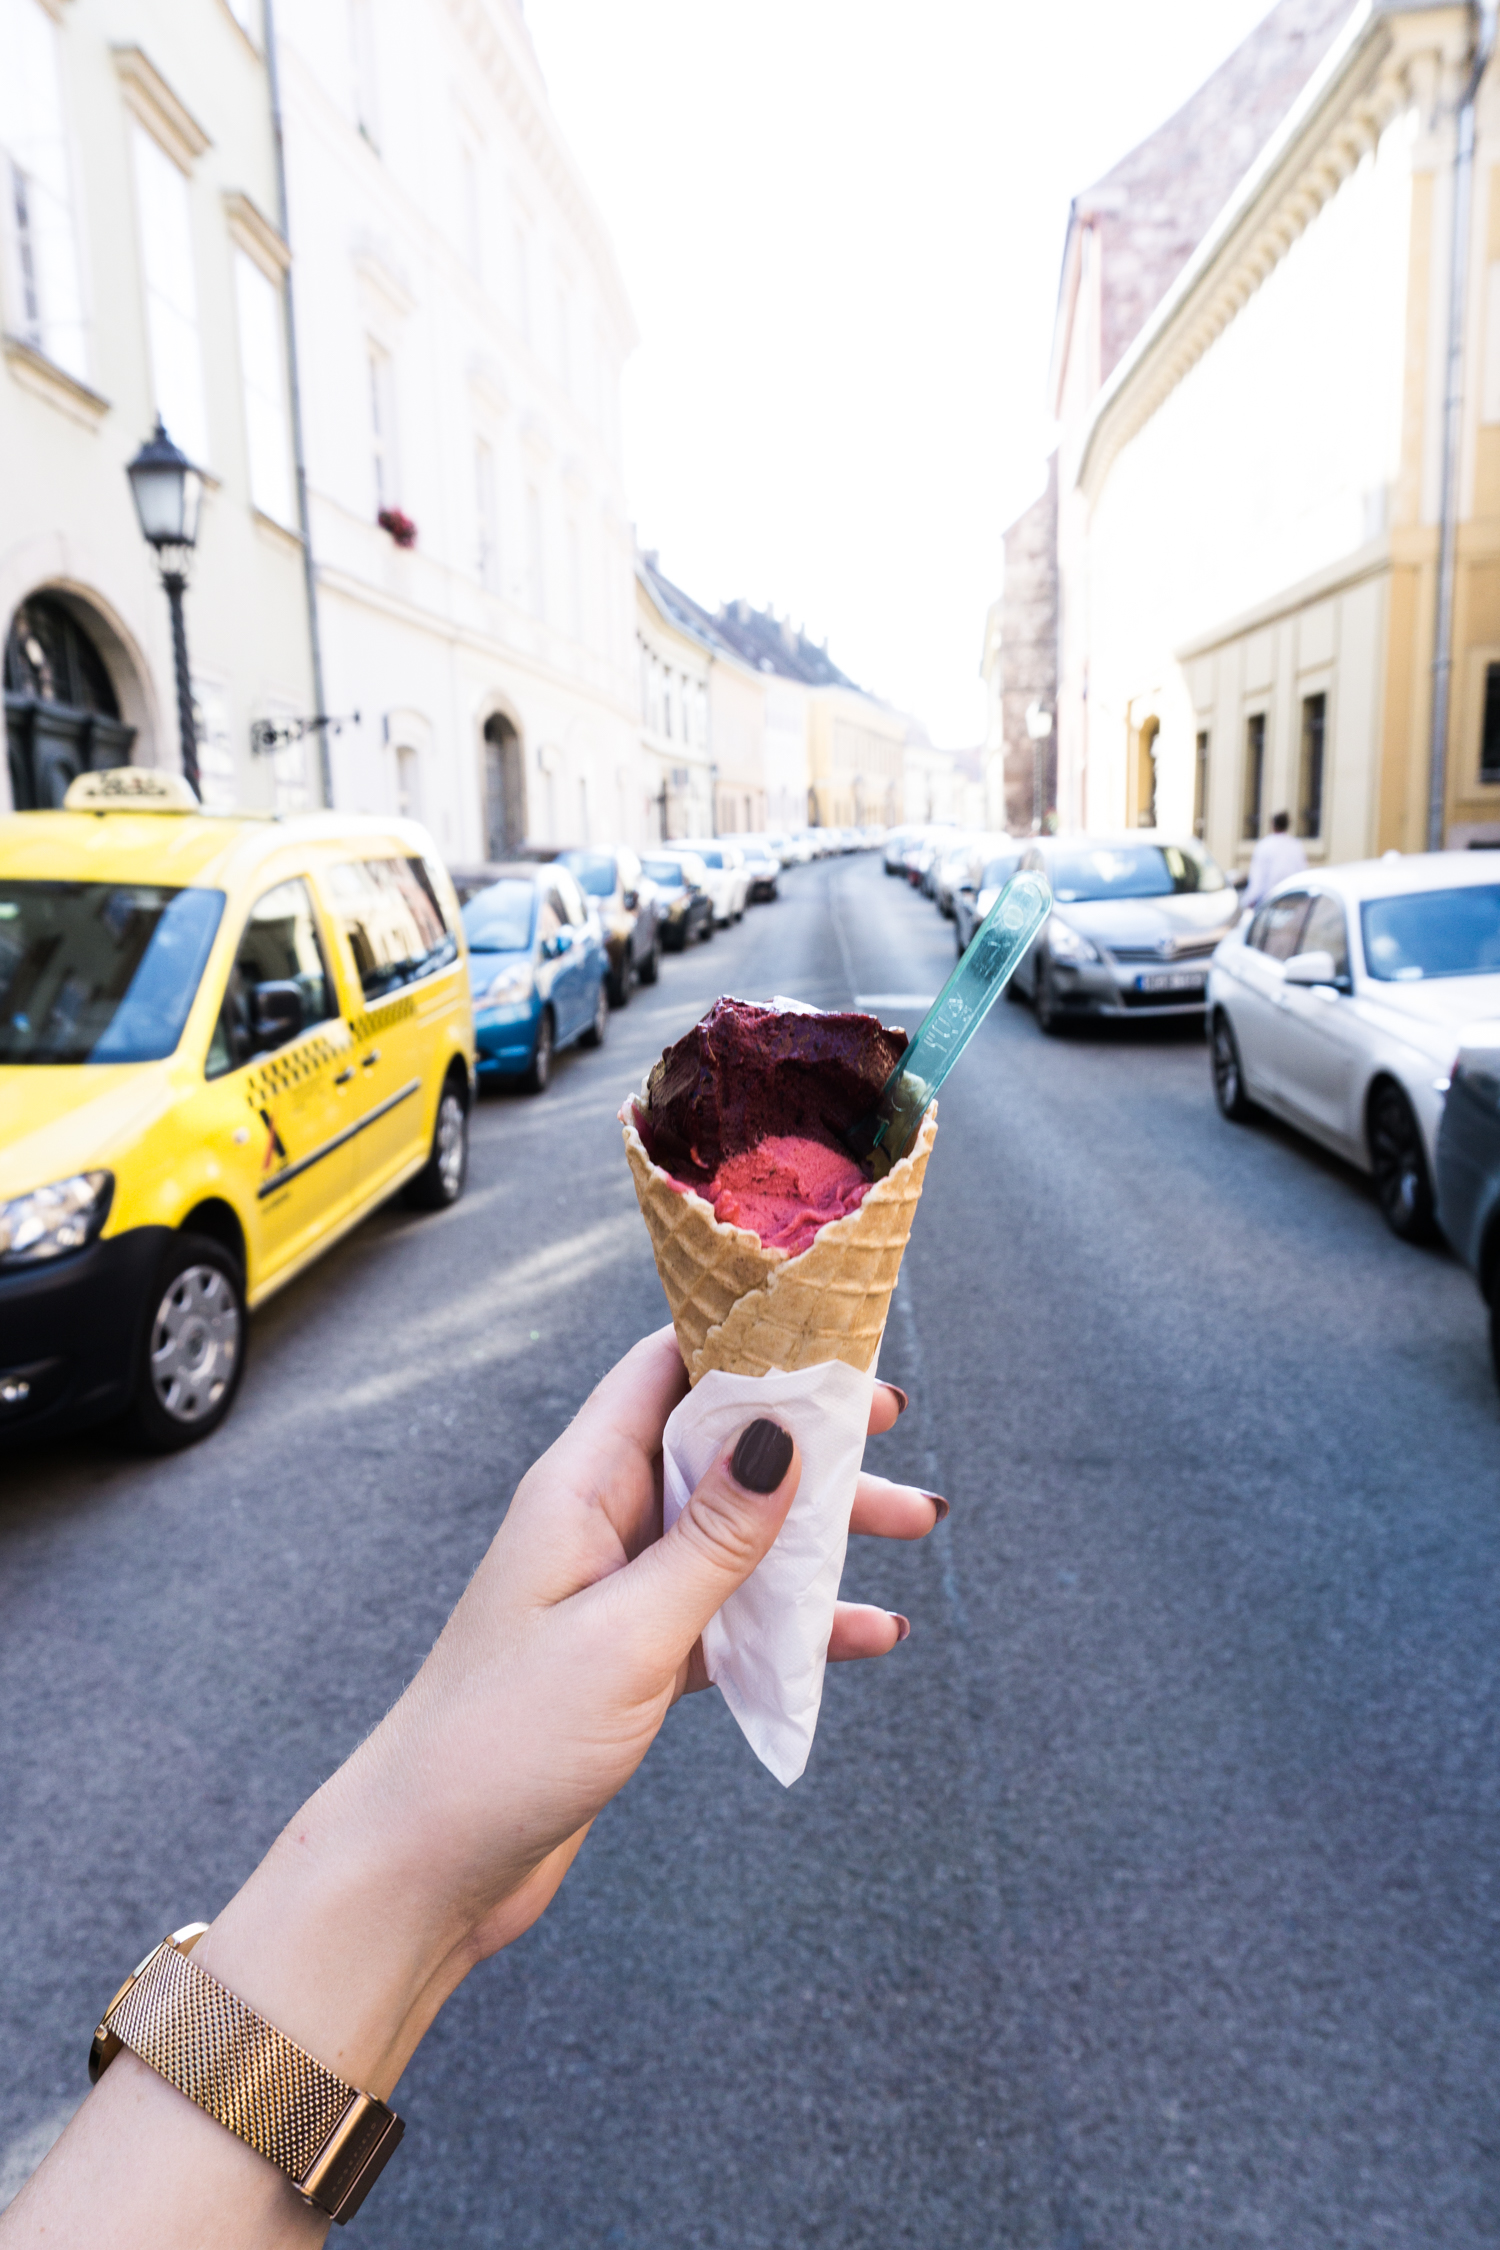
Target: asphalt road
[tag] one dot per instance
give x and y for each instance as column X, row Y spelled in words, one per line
column 1149, row 1895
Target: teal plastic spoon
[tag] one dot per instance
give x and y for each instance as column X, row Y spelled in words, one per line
column 883, row 1138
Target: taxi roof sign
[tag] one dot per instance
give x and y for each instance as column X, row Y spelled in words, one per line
column 130, row 789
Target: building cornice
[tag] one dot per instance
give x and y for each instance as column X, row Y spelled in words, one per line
column 165, row 117
column 256, row 236
column 525, row 104
column 1370, row 561
column 35, row 372
column 1381, row 63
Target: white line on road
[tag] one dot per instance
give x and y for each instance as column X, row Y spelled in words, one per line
column 894, row 999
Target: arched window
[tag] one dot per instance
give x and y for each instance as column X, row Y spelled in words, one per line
column 61, row 714
column 1145, row 773
column 504, row 788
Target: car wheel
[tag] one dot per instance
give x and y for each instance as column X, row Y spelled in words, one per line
column 598, row 1030
column 707, row 932
column 1229, row 1079
column 651, row 967
column 617, row 984
column 441, row 1179
column 539, row 1077
column 1049, row 1016
column 193, row 1352
column 1399, row 1164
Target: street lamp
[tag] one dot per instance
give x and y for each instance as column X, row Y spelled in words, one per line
column 167, row 491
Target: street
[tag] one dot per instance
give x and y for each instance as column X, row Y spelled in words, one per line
column 1147, row 1896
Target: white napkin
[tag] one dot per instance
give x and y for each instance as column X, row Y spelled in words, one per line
column 767, row 1647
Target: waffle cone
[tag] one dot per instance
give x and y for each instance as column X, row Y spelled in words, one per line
column 738, row 1306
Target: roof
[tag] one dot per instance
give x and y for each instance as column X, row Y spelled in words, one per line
column 756, row 637
column 177, row 849
column 1154, row 207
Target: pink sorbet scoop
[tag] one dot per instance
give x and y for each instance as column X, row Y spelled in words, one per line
column 784, row 1189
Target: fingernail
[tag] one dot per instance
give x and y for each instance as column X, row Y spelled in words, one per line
column 903, row 1626
column 902, row 1401
column 762, row 1457
column 938, row 1502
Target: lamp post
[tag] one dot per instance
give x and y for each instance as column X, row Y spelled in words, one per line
column 1039, row 727
column 167, row 491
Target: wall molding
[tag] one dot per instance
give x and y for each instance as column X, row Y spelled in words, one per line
column 256, row 236
column 152, row 101
column 36, row 373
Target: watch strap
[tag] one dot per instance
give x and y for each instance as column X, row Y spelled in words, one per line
column 329, row 2138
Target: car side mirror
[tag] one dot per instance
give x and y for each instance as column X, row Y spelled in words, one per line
column 1311, row 968
column 967, row 890
column 275, row 1014
column 631, row 901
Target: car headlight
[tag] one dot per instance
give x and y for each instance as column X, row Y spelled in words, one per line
column 1066, row 944
column 53, row 1220
column 514, row 983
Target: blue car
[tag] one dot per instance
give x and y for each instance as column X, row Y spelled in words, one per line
column 537, row 969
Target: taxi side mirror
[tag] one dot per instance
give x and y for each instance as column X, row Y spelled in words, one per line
column 275, row 1014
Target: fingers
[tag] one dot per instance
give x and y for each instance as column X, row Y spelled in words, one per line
column 859, row 1630
column 730, row 1522
column 888, row 1403
column 883, row 1510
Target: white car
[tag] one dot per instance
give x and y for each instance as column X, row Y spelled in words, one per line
column 727, row 881
column 1340, row 1006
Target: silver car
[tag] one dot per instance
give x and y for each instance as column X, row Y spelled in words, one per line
column 1133, row 925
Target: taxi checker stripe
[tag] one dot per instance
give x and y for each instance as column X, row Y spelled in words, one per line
column 305, row 1163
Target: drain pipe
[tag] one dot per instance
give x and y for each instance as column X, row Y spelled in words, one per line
column 294, row 385
column 1458, row 276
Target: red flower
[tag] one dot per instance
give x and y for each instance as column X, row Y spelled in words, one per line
column 400, row 527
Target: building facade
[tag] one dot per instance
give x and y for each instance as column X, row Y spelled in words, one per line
column 676, row 652
column 141, row 275
column 1019, row 669
column 1252, row 480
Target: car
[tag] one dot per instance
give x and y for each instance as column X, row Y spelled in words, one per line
column 973, row 900
column 1134, row 923
column 894, row 852
column 728, row 883
column 538, row 970
column 223, row 1041
column 963, row 861
column 1339, row 1006
column 611, row 880
column 685, row 907
column 1467, row 1173
column 762, row 867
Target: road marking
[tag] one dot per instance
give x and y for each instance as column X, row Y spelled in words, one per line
column 894, row 999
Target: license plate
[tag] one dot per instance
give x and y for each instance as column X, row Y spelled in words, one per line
column 1172, row 980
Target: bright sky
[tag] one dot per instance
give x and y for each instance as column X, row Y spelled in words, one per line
column 840, row 222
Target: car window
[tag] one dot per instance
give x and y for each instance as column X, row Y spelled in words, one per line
column 550, row 918
column 595, row 871
column 497, row 919
column 279, row 945
column 1327, row 932
column 100, row 972
column 1453, row 933
column 1000, row 871
column 667, row 872
column 570, row 898
column 711, row 859
column 1131, row 871
column 1278, row 925
column 389, row 913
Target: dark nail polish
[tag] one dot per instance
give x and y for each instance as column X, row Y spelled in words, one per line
column 903, row 1626
column 938, row 1502
column 902, row 1401
column 762, row 1457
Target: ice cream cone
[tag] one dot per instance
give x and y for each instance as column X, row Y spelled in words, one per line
column 738, row 1306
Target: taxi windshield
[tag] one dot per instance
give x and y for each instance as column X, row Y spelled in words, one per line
column 99, row 972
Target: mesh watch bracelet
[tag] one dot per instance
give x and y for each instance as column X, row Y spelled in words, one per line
column 330, row 2139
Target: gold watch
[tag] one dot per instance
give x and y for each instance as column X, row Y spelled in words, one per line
column 331, row 2140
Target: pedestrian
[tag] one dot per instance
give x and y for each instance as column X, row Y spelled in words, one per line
column 442, row 1839
column 1274, row 856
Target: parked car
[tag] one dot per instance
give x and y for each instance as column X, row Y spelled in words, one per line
column 963, row 861
column 894, row 855
column 762, row 866
column 728, row 883
column 1467, row 1176
column 1133, row 927
column 972, row 901
column 685, row 907
column 538, row 969
column 222, row 1043
column 1339, row 1007
column 612, row 882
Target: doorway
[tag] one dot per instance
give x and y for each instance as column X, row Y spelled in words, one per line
column 504, row 788
column 62, row 717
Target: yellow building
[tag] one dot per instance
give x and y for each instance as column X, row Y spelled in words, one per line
column 1249, row 373
column 857, row 755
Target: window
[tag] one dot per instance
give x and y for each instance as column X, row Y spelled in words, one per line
column 487, row 552
column 570, row 898
column 262, row 372
column 44, row 297
column 1327, row 932
column 1200, row 787
column 550, row 919
column 366, row 80
column 217, row 779
column 408, row 782
column 1255, row 774
column 1277, row 928
column 1489, row 747
column 389, row 912
column 382, row 427
column 1310, row 778
column 99, row 972
column 497, row 919
column 536, row 575
column 1146, row 749
column 1130, row 871
column 280, row 947
column 171, row 295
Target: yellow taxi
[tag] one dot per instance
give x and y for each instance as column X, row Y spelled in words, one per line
column 222, row 1042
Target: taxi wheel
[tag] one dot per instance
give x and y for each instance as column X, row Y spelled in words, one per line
column 598, row 1030
column 193, row 1353
column 539, row 1076
column 441, row 1179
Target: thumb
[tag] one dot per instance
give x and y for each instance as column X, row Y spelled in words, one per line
column 730, row 1522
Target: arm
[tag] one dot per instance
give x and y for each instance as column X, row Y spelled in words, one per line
column 449, row 1830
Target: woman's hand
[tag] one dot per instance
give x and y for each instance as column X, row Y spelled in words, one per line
column 449, row 1830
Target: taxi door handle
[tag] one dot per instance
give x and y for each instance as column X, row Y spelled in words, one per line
column 370, row 1060
column 344, row 1076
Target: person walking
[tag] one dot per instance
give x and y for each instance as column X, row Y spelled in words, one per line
column 1274, row 856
